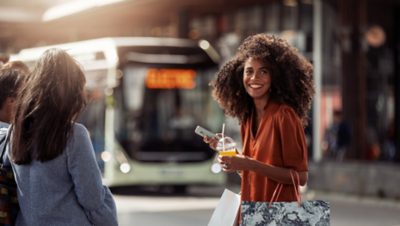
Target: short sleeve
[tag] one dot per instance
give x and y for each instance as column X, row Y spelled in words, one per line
column 294, row 147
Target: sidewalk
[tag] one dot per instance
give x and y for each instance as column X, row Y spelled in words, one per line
column 371, row 180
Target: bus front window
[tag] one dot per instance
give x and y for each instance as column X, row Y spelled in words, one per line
column 163, row 107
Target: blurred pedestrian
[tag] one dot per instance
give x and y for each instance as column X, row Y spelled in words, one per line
column 268, row 87
column 59, row 182
column 337, row 137
column 389, row 142
column 12, row 75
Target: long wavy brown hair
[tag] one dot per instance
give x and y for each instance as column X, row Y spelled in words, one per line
column 49, row 102
column 290, row 75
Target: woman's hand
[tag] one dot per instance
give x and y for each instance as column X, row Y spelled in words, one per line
column 234, row 163
column 212, row 141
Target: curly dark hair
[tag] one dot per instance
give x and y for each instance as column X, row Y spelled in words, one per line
column 290, row 75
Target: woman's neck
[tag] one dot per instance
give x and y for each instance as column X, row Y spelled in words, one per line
column 260, row 105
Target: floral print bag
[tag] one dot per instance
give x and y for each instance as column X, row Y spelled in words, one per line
column 306, row 213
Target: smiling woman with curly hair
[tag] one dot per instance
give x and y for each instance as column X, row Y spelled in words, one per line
column 290, row 74
column 268, row 87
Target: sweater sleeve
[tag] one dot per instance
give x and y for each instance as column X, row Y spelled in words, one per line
column 95, row 198
column 294, row 147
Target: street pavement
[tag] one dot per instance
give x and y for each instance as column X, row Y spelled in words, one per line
column 138, row 206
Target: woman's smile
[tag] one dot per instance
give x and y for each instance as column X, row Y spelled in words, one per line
column 255, row 86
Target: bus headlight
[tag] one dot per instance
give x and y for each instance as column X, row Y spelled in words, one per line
column 106, row 156
column 125, row 167
column 216, row 168
column 204, row 44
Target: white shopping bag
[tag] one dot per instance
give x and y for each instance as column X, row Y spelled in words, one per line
column 226, row 211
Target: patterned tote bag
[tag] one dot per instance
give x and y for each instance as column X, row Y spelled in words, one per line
column 306, row 213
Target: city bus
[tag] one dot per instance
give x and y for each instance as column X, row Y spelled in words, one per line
column 146, row 95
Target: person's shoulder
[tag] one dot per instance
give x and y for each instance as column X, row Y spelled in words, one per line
column 79, row 135
column 278, row 109
column 79, row 126
column 79, row 129
column 284, row 111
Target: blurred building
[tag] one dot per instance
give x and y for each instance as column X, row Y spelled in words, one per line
column 360, row 45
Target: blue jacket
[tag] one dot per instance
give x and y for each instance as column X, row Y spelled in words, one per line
column 65, row 191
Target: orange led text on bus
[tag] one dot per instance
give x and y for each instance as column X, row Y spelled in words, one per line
column 170, row 78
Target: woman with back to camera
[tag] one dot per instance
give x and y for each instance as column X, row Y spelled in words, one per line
column 268, row 87
column 59, row 182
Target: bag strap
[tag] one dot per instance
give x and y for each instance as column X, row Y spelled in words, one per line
column 7, row 139
column 296, row 183
column 276, row 193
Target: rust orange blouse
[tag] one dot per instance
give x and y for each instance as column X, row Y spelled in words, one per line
column 280, row 141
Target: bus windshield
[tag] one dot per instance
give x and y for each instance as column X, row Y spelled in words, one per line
column 162, row 108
